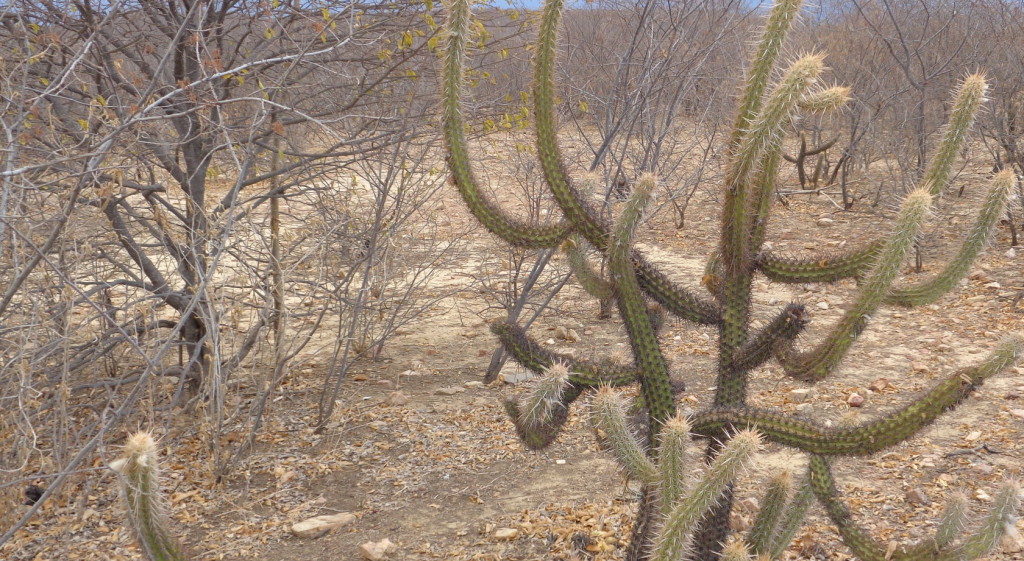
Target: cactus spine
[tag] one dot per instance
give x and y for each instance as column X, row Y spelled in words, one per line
column 676, row 520
column 139, row 474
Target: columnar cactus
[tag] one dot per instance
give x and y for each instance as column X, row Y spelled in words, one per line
column 139, row 474
column 673, row 523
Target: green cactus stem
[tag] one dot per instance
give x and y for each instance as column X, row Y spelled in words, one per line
column 953, row 521
column 139, row 474
column 582, row 372
column 608, row 416
column 981, row 541
column 762, row 533
column 540, row 435
column 991, row 211
column 673, row 540
column 792, row 518
column 780, row 331
column 513, row 231
column 967, row 100
column 818, row 363
column 673, row 465
column 872, row 436
column 824, row 269
column 589, row 279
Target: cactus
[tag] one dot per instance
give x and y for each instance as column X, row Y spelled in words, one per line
column 680, row 521
column 139, row 474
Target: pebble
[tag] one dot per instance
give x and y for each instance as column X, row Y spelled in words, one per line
column 916, row 496
column 572, row 336
column 822, row 305
column 449, row 391
column 855, row 400
column 320, row 525
column 549, row 342
column 879, row 385
column 973, row 435
column 506, row 534
column 919, row 367
column 396, row 398
column 386, row 384
column 473, row 384
column 561, row 332
column 825, row 222
column 1010, row 253
column 1019, row 413
column 376, row 551
column 801, row 395
column 993, row 284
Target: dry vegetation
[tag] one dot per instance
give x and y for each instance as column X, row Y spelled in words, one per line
column 343, row 371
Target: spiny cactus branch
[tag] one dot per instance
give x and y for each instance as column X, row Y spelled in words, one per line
column 872, row 436
column 780, row 331
column 608, row 416
column 762, row 533
column 139, row 474
column 823, row 269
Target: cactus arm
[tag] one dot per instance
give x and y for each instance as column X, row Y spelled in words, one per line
column 783, row 329
column 655, row 385
column 980, row 542
column 676, row 299
column 588, row 278
column 608, row 415
column 967, row 100
column 953, row 521
column 487, row 212
column 582, row 372
column 817, row 363
column 540, row 435
column 762, row 533
column 139, row 475
column 765, row 135
column 872, row 436
column 792, row 519
column 673, row 540
column 824, row 269
column 931, row 290
column 673, row 465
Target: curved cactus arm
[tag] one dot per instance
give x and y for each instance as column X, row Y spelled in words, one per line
column 539, row 435
column 673, row 297
column 582, row 372
column 967, row 100
column 980, row 542
column 589, row 279
column 139, row 474
column 872, row 436
column 673, row 540
column 486, row 211
column 792, row 519
column 762, row 534
column 782, row 330
column 825, row 268
column 931, row 290
column 817, row 363
column 608, row 416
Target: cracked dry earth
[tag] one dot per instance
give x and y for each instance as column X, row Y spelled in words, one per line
column 420, row 451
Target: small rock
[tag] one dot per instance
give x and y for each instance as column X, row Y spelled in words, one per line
column 473, row 384
column 572, row 336
column 396, row 398
column 984, row 469
column 1010, row 253
column 360, row 377
column 822, row 305
column 879, row 385
column 376, row 551
column 549, row 342
column 801, row 395
column 1011, row 542
column 561, row 332
column 1019, row 413
column 320, row 525
column 588, row 332
column 804, row 408
column 560, row 462
column 855, row 400
column 993, row 284
column 981, row 495
column 916, row 496
column 739, row 522
column 825, row 222
column 919, row 367
column 449, row 391
column 973, row 435
column 506, row 534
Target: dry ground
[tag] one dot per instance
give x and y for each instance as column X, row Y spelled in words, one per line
column 438, row 474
